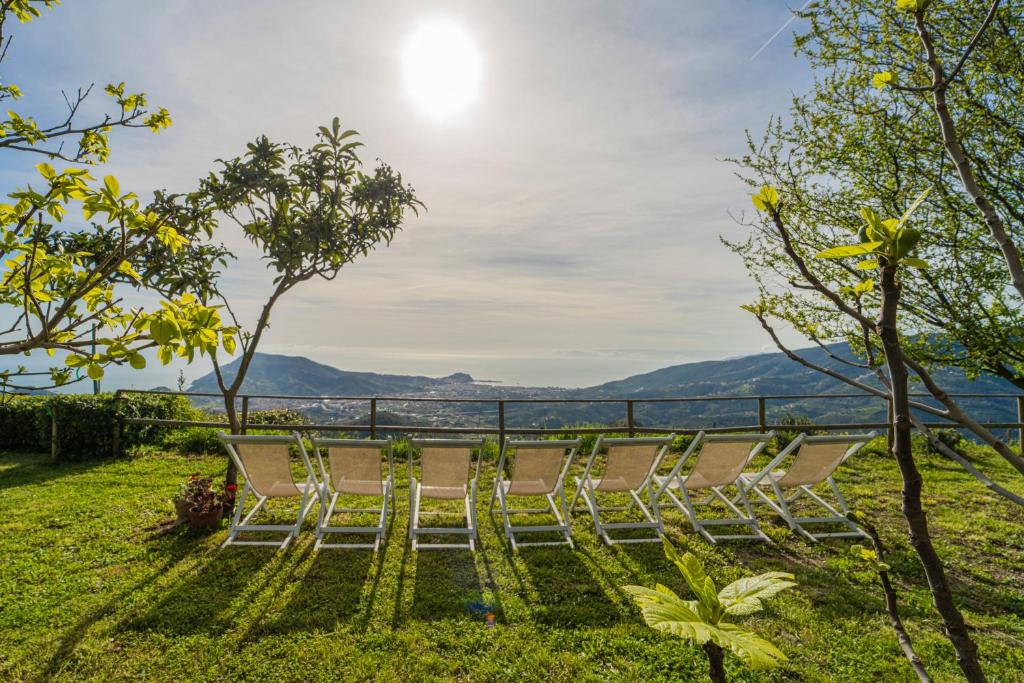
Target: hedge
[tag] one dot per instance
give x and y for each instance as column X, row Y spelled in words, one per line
column 85, row 423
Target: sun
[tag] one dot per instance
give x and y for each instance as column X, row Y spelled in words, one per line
column 442, row 68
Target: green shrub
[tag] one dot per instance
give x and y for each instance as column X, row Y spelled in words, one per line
column 801, row 424
column 85, row 423
column 193, row 441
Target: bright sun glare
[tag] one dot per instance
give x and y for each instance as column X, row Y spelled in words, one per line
column 442, row 68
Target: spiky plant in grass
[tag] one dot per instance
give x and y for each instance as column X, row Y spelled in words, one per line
column 704, row 620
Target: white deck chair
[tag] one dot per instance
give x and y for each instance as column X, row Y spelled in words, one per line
column 629, row 468
column 446, row 473
column 356, row 469
column 816, row 459
column 538, row 470
column 265, row 464
column 719, row 464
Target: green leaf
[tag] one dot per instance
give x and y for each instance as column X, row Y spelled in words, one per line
column 137, row 361
column 906, row 240
column 920, row 264
column 745, row 595
column 75, row 361
column 913, row 207
column 46, row 170
column 664, row 611
column 756, row 652
column 95, row 371
column 165, row 354
column 868, row 264
column 849, row 250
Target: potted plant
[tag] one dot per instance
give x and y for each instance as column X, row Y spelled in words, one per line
column 180, row 498
column 206, row 504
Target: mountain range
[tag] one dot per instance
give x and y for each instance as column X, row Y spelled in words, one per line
column 760, row 374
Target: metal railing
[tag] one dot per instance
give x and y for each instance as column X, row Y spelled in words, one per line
column 500, row 428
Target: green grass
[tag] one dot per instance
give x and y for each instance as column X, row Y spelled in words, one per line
column 83, row 595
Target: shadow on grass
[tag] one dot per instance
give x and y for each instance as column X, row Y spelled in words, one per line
column 446, row 585
column 207, row 599
column 567, row 594
column 73, row 635
column 328, row 593
column 27, row 469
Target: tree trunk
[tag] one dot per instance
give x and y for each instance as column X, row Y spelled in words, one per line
column 920, row 538
column 231, row 476
column 716, row 662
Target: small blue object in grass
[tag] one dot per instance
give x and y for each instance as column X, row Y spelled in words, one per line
column 482, row 611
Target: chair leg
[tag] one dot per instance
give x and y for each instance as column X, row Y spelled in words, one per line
column 591, row 498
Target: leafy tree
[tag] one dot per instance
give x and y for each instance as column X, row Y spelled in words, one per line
column 911, row 95
column 705, row 620
column 58, row 282
column 888, row 247
column 89, row 140
column 309, row 211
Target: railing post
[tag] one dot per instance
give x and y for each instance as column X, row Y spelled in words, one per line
column 501, row 423
column 630, row 424
column 1020, row 423
column 373, row 418
column 762, row 415
column 245, row 413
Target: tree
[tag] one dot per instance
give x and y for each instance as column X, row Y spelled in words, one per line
column 911, row 95
column 89, row 139
column 309, row 211
column 704, row 620
column 888, row 246
column 894, row 110
column 58, row 282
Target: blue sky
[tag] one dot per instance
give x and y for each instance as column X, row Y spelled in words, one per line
column 575, row 205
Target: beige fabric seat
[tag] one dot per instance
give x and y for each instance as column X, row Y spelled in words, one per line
column 719, row 464
column 814, row 460
column 265, row 464
column 446, row 473
column 357, row 467
column 629, row 467
column 537, row 469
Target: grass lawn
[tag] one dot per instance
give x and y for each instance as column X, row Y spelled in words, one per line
column 84, row 597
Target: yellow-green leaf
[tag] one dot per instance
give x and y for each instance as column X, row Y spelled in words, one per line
column 849, row 250
column 883, row 79
column 95, row 371
column 767, row 198
column 110, row 182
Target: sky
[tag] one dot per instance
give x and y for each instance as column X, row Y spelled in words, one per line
column 575, row 201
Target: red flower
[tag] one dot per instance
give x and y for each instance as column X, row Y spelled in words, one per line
column 231, row 487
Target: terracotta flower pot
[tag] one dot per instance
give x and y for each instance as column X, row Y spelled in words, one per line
column 205, row 520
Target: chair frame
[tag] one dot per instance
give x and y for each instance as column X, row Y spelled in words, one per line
column 329, row 499
column 688, row 505
column 310, row 492
column 560, row 510
column 470, row 530
column 782, row 503
column 585, row 488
